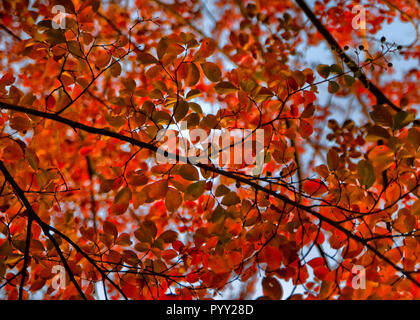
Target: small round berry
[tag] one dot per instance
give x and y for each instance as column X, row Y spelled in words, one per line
column 383, row 39
column 346, row 48
column 390, row 64
column 361, row 47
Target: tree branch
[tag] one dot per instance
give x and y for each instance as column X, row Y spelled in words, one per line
column 10, row 32
column 380, row 96
column 26, row 256
column 210, row 168
column 33, row 216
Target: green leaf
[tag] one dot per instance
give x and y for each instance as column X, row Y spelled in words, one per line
column 335, row 68
column 349, row 80
column 333, row 87
column 323, row 70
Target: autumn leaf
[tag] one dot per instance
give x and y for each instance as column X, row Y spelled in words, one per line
column 189, row 172
column 272, row 288
column 366, row 173
column 121, row 201
column 173, row 199
column 314, row 187
column 308, row 173
column 225, row 87
column 146, row 58
column 196, row 189
column 211, row 71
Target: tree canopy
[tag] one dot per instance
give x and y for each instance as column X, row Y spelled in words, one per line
column 309, row 172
